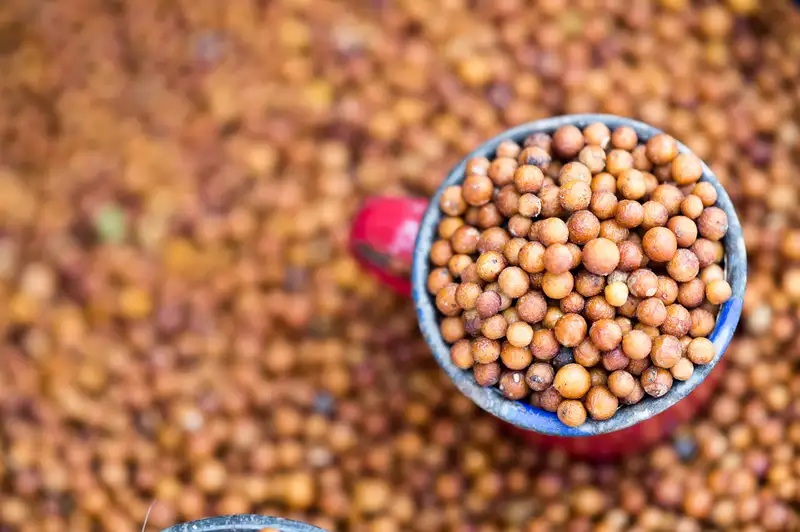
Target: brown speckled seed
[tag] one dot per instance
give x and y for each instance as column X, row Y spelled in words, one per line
column 629, row 214
column 575, row 196
column 692, row 206
column 670, row 196
column 451, row 201
column 597, row 308
column 572, row 381
column 599, row 376
column 528, row 179
column 678, row 321
column 621, row 383
column 586, row 354
column 702, row 322
column 553, row 231
column 477, row 166
column 534, row 156
column 682, row 370
column 572, row 303
column 667, row 290
column 661, row 148
column 540, row 376
column 635, row 396
column 600, row 256
column 490, row 264
column 550, row 399
column 512, row 249
column 691, row 294
column 477, row 190
column 637, row 344
column 465, row 239
column 488, row 304
column 686, row 169
column 600, row 403
column 519, row 333
column 531, row 307
column 507, row 201
column 437, row 279
column 485, row 350
column 631, row 256
column 467, row 295
column 515, row 358
column 557, row 285
column 568, row 141
column 583, row 226
column 700, row 351
column 495, row 327
column 628, row 309
column 666, row 351
column 654, row 215
column 531, row 257
column 625, row 138
column 615, row 359
column 493, row 239
column 656, row 381
column 572, row 413
column 557, row 258
column 603, row 205
column 637, row 367
column 651, row 311
column 718, row 291
column 544, row 345
column 514, row 282
column 643, row 283
column 605, row 334
column 685, row 230
column 570, row 330
column 529, row 205
column 611, row 230
column 706, row 192
column 604, row 182
column 594, row 158
column 659, row 244
column 461, row 354
column 616, row 293
column 705, row 250
column 597, row 134
column 487, row 374
column 713, row 223
column 446, row 300
column 617, row 161
column 684, row 266
column 448, row 226
column 574, row 171
column 589, row 284
column 501, row 171
column 631, row 184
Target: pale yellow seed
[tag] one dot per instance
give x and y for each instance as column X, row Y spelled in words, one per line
column 616, row 294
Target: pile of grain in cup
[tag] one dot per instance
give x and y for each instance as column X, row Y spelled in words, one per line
column 587, row 240
column 182, row 321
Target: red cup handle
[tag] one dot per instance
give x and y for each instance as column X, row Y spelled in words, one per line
column 382, row 238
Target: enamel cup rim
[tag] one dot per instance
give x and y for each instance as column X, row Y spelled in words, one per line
column 242, row 523
column 522, row 414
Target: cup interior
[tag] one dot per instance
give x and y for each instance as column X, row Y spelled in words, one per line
column 520, row 413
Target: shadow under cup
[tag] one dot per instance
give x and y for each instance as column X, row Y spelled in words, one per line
column 522, row 414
